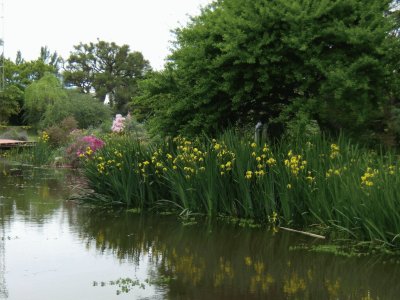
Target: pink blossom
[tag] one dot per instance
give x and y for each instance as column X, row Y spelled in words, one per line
column 118, row 123
column 82, row 145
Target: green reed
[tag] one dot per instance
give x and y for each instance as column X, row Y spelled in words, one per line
column 39, row 154
column 349, row 191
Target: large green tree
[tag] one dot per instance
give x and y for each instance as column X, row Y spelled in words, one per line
column 106, row 69
column 245, row 60
column 42, row 95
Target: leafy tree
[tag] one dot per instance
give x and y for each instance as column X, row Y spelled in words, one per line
column 49, row 59
column 10, row 98
column 242, row 61
column 47, row 104
column 42, row 95
column 87, row 110
column 106, row 69
column 22, row 73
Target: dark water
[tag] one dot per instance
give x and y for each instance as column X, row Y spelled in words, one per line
column 55, row 249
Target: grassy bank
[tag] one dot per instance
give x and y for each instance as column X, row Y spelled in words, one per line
column 41, row 154
column 335, row 187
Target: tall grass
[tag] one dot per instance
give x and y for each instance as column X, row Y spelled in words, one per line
column 338, row 186
column 41, row 153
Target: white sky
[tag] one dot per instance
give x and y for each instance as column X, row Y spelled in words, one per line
column 144, row 25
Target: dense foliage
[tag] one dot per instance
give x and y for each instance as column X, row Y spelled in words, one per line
column 41, row 96
column 47, row 103
column 336, row 62
column 18, row 75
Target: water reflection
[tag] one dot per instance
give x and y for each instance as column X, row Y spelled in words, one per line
column 171, row 261
column 219, row 261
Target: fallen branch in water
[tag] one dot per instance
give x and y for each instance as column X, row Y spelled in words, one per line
column 303, row 232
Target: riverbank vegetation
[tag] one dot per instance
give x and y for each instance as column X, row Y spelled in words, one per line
column 337, row 188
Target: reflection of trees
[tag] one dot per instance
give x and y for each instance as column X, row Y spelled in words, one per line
column 31, row 193
column 223, row 262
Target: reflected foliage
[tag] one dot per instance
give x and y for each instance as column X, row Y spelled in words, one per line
column 204, row 261
column 30, row 194
column 220, row 261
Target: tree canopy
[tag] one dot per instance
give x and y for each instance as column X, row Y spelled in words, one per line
column 335, row 61
column 40, row 96
column 106, row 69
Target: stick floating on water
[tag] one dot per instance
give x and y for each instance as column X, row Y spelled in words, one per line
column 303, row 232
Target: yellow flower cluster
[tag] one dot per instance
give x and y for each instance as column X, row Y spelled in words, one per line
column 104, row 166
column 142, row 167
column 295, row 163
column 335, row 172
column 44, row 137
column 88, row 151
column 157, row 161
column 391, row 170
column 310, row 179
column 225, row 157
column 335, row 151
column 263, row 158
column 367, row 178
column 87, row 154
column 249, row 175
column 189, row 158
column 272, row 219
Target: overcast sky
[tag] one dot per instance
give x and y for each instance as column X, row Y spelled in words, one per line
column 59, row 24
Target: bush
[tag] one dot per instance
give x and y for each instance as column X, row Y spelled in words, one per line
column 58, row 134
column 82, row 147
column 86, row 110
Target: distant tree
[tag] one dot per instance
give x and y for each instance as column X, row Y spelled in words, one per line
column 47, row 103
column 40, row 96
column 106, row 69
column 10, row 99
column 50, row 59
column 87, row 110
column 19, row 74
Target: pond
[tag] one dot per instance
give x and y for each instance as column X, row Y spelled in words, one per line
column 51, row 248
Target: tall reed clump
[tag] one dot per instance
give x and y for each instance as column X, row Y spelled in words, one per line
column 41, row 153
column 298, row 183
column 122, row 173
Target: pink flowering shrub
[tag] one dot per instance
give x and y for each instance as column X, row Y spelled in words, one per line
column 83, row 147
column 90, row 144
column 118, row 124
